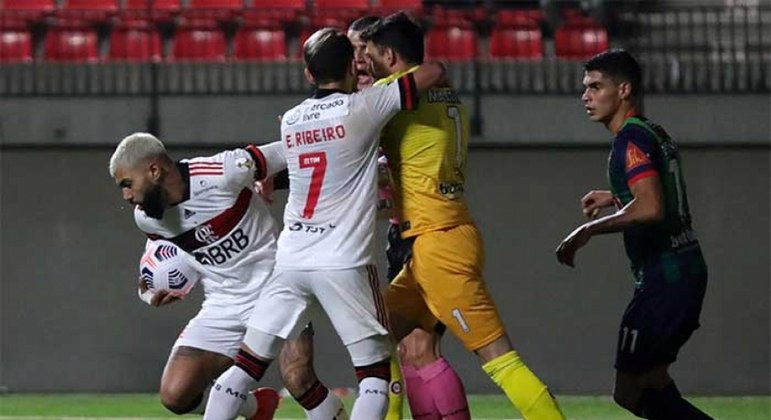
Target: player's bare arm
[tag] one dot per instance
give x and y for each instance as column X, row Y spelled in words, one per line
column 265, row 189
column 165, row 297
column 155, row 297
column 428, row 75
column 594, row 201
column 646, row 207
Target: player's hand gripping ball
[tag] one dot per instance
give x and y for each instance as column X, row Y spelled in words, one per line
column 164, row 266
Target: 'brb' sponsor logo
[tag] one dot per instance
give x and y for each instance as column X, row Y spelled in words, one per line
column 231, row 246
column 205, row 233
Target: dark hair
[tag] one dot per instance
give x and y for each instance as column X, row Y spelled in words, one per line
column 363, row 23
column 400, row 33
column 328, row 53
column 620, row 66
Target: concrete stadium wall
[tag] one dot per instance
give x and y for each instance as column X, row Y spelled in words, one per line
column 70, row 319
column 529, row 119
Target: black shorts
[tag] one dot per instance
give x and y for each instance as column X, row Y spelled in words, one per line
column 657, row 322
column 398, row 250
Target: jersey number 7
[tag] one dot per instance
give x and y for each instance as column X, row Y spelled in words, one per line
column 317, row 161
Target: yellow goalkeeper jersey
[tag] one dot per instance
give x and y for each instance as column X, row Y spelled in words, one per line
column 426, row 150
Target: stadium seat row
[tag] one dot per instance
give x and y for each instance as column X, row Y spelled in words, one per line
column 74, row 28
column 262, row 13
column 299, row 6
column 132, row 43
column 21, row 12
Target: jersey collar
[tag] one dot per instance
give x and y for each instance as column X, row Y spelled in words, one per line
column 321, row 93
column 632, row 113
column 396, row 75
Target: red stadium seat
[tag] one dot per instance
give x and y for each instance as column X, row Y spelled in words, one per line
column 579, row 37
column 271, row 12
column 579, row 42
column 259, row 44
column 399, row 4
column 71, row 44
column 199, row 44
column 451, row 43
column 516, row 43
column 340, row 20
column 452, row 36
column 91, row 5
column 442, row 16
column 26, row 9
column 135, row 44
column 30, row 5
column 341, row 4
column 519, row 18
column 214, row 9
column 338, row 13
column 216, row 4
column 15, row 46
column 517, row 34
column 87, row 10
column 290, row 5
column 165, row 5
column 385, row 7
column 158, row 10
column 10, row 21
column 575, row 17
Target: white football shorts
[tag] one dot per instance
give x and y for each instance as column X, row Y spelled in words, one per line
column 350, row 298
column 220, row 325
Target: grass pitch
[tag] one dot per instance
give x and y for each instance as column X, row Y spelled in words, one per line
column 147, row 406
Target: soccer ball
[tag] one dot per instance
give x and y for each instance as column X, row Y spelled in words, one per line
column 163, row 266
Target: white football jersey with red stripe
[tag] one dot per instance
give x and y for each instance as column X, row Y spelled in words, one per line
column 222, row 224
column 330, row 146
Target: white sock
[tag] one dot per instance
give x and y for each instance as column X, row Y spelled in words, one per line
column 249, row 407
column 372, row 402
column 329, row 409
column 230, row 391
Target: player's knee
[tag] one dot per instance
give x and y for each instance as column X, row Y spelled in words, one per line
column 627, row 400
column 179, row 400
column 628, row 390
column 418, row 349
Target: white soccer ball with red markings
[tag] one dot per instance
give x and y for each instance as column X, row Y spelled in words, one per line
column 164, row 266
